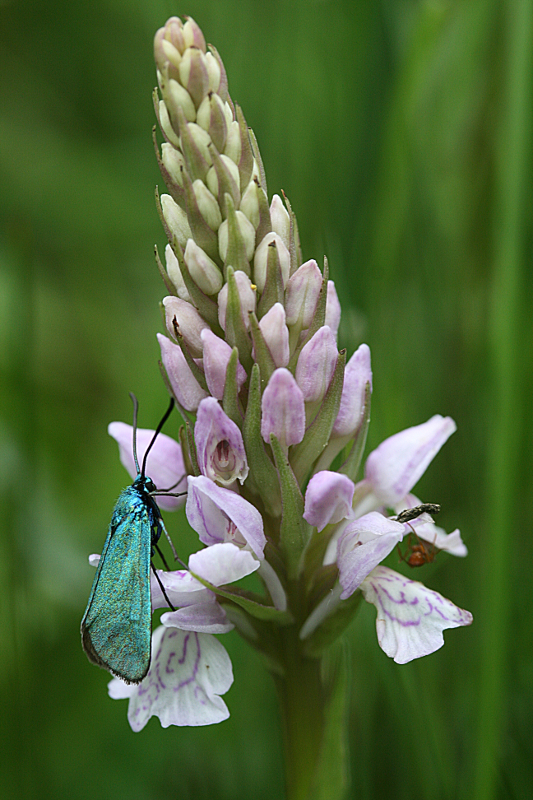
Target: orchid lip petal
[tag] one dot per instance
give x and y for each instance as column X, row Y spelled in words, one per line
column 188, row 673
column 410, row 618
column 219, row 444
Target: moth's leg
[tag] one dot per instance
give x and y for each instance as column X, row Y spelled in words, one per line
column 158, row 579
column 171, row 543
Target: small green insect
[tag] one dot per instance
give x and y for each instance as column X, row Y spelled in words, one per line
column 116, row 629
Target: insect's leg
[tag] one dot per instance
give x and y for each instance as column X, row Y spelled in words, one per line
column 171, row 543
column 162, row 557
column 158, row 579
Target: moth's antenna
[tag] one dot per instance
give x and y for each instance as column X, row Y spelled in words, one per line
column 135, row 410
column 156, row 434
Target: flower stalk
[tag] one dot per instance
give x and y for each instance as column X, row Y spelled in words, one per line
column 275, row 429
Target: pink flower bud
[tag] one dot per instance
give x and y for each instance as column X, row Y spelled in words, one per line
column 193, row 36
column 186, row 388
column 333, row 308
column 356, row 376
column 328, row 499
column 276, row 334
column 219, row 445
column 261, row 260
column 283, row 411
column 302, row 294
column 190, row 323
column 316, row 365
column 217, row 353
column 247, row 297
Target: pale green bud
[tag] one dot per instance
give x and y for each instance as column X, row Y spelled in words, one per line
column 214, row 72
column 171, row 53
column 201, row 139
column 173, row 162
column 233, row 147
column 261, row 260
column 166, row 125
column 174, row 273
column 176, row 219
column 193, row 35
column 212, row 177
column 204, row 271
column 207, row 205
column 211, row 116
column 193, row 74
column 281, row 223
column 250, row 204
column 247, row 231
column 176, row 96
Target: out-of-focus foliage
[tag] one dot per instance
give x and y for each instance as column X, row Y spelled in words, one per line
column 401, row 132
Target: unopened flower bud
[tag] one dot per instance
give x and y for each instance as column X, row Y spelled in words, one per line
column 246, row 231
column 233, row 147
column 328, row 499
column 276, row 334
column 174, row 273
column 316, row 365
column 282, row 409
column 356, row 376
column 261, row 260
column 302, row 294
column 219, row 445
column 176, row 219
column 211, row 116
column 193, row 74
column 166, row 125
column 204, row 271
column 212, row 177
column 213, row 70
column 281, row 223
column 250, row 203
column 176, row 96
column 186, row 388
column 247, row 298
column 189, row 322
column 333, row 308
column 201, row 139
column 217, row 354
column 193, row 36
column 173, row 162
column 207, row 205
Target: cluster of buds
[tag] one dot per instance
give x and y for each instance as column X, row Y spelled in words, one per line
column 275, row 422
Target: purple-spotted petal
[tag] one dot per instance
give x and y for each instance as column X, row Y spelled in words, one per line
column 164, row 465
column 188, row 673
column 363, row 545
column 220, row 515
column 328, row 499
column 411, row 618
column 395, row 466
column 219, row 444
column 283, row 410
column 207, row 617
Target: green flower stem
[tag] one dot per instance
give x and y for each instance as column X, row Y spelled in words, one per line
column 313, row 720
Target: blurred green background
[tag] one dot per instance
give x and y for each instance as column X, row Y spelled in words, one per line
column 401, row 132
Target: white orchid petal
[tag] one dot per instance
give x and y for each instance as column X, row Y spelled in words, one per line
column 207, row 617
column 223, row 563
column 189, row 672
column 411, row 618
